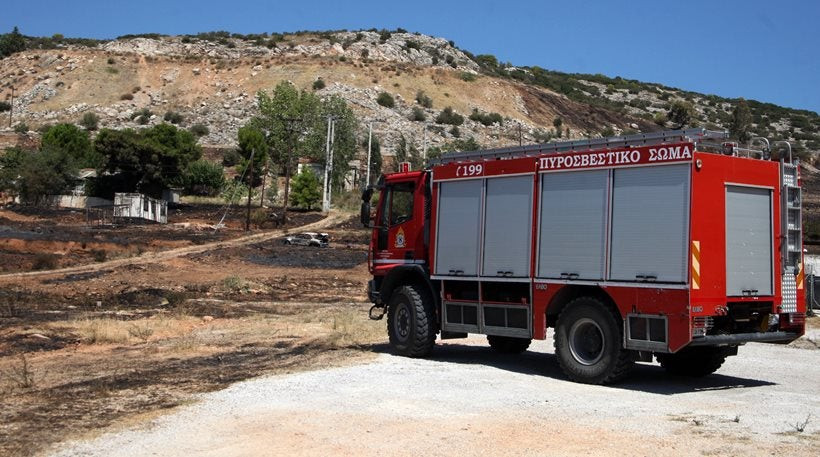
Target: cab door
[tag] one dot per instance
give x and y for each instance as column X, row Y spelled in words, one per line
column 397, row 225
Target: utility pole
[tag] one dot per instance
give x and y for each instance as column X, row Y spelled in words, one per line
column 369, row 147
column 330, row 166
column 250, row 189
column 519, row 134
column 326, row 189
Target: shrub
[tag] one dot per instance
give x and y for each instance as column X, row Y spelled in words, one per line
column 44, row 261
column 173, row 117
column 126, row 97
column 306, row 190
column 112, row 70
column 386, row 100
column 142, row 116
column 100, row 255
column 319, row 84
column 111, row 61
column 231, row 158
column 486, row 118
column 199, row 130
column 455, row 132
column 21, row 127
column 5, row 106
column 467, row 76
column 418, row 115
column 204, row 177
column 423, row 99
column 90, row 121
column 448, row 116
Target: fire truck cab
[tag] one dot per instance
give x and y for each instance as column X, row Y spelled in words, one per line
column 674, row 245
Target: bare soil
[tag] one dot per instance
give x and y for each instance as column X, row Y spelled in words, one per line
column 88, row 346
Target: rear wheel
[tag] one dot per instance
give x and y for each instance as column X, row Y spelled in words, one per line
column 411, row 321
column 696, row 361
column 508, row 345
column 588, row 343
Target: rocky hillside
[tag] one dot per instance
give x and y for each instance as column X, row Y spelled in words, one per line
column 211, row 79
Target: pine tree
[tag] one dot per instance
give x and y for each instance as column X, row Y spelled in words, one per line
column 741, row 121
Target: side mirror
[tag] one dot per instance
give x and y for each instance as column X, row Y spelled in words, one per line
column 364, row 214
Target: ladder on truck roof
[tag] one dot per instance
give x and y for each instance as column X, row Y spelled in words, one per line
column 645, row 139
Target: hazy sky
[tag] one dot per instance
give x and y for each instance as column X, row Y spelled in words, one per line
column 756, row 49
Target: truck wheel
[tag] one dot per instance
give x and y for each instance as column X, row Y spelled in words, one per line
column 588, row 343
column 411, row 321
column 696, row 361
column 508, row 345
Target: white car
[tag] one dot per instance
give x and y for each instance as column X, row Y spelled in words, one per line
column 319, row 240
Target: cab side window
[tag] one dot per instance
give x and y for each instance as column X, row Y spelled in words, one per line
column 401, row 203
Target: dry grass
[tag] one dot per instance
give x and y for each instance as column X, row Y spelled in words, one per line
column 106, row 330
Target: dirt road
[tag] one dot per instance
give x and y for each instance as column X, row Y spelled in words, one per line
column 467, row 400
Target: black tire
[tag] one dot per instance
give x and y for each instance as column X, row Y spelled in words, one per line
column 588, row 344
column 508, row 344
column 411, row 321
column 694, row 362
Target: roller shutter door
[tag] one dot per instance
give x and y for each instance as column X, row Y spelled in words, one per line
column 573, row 224
column 458, row 226
column 650, row 224
column 748, row 241
column 508, row 227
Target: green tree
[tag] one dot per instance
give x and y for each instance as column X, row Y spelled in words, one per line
column 50, row 171
column 306, row 189
column 11, row 43
column 204, row 177
column 681, row 113
column 407, row 152
column 252, row 142
column 73, row 141
column 10, row 162
column 344, row 138
column 741, row 122
column 147, row 161
column 287, row 116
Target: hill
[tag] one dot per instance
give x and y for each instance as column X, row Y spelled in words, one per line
column 212, row 79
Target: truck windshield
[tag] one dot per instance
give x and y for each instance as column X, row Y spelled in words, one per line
column 401, row 203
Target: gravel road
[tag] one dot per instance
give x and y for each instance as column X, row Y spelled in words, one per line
column 468, row 400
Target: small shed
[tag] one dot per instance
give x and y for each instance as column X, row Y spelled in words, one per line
column 138, row 206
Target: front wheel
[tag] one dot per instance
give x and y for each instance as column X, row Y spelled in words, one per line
column 411, row 321
column 588, row 343
column 695, row 362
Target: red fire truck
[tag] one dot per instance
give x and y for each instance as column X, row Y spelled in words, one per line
column 676, row 245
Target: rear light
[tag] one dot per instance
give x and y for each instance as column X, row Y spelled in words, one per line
column 701, row 325
column 797, row 318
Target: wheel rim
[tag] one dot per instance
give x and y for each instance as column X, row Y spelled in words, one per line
column 586, row 341
column 402, row 323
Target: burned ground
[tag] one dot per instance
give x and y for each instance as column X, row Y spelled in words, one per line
column 86, row 348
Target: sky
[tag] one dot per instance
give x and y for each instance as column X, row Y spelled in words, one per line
column 761, row 50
